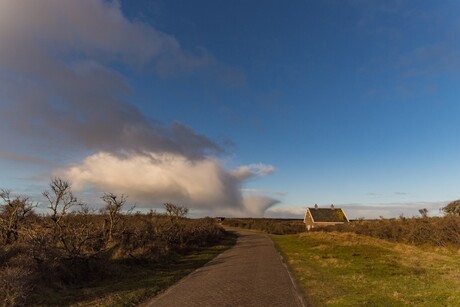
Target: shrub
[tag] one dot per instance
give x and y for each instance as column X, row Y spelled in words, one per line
column 272, row 226
column 73, row 245
column 453, row 208
column 15, row 283
column 438, row 231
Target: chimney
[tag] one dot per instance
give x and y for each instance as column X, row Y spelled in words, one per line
column 332, row 206
column 316, row 206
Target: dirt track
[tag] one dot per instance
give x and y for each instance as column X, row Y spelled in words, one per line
column 249, row 274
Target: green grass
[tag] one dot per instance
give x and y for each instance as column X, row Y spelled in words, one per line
column 344, row 269
column 135, row 282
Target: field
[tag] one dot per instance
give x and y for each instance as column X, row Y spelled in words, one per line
column 347, row 269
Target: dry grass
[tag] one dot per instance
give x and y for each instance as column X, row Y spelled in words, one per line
column 346, row 269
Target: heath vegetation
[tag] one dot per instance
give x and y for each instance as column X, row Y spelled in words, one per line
column 271, row 226
column 73, row 246
column 436, row 231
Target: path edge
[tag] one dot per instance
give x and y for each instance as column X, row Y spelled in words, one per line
column 299, row 292
column 154, row 299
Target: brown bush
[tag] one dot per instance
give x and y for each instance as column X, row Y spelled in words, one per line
column 438, row 231
column 15, row 283
column 272, row 226
column 73, row 245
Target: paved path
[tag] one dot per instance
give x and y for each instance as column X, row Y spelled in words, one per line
column 249, row 274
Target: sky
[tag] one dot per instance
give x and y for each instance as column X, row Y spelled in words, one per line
column 235, row 108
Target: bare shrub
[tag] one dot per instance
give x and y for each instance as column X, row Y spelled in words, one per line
column 273, row 226
column 438, row 231
column 13, row 215
column 15, row 283
column 175, row 210
column 113, row 207
column 74, row 232
column 156, row 236
column 74, row 245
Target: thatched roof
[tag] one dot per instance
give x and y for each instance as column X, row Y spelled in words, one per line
column 328, row 215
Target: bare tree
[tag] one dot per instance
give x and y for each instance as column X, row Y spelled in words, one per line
column 13, row 213
column 61, row 199
column 175, row 211
column 113, row 207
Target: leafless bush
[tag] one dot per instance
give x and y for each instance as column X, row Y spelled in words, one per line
column 175, row 210
column 155, row 236
column 15, row 284
column 13, row 215
column 438, row 231
column 114, row 205
column 74, row 245
column 74, row 232
column 273, row 226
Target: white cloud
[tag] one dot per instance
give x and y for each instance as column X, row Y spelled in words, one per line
column 253, row 170
column 158, row 178
column 153, row 179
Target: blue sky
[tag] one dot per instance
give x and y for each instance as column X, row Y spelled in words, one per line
column 275, row 106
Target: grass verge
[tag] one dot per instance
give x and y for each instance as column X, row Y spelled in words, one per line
column 135, row 282
column 345, row 269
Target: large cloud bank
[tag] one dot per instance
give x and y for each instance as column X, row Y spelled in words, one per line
column 61, row 91
column 153, row 179
column 57, row 80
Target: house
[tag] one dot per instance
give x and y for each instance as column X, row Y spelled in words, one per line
column 320, row 217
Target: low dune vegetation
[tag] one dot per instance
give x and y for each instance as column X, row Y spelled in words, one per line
column 435, row 231
column 271, row 226
column 74, row 247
